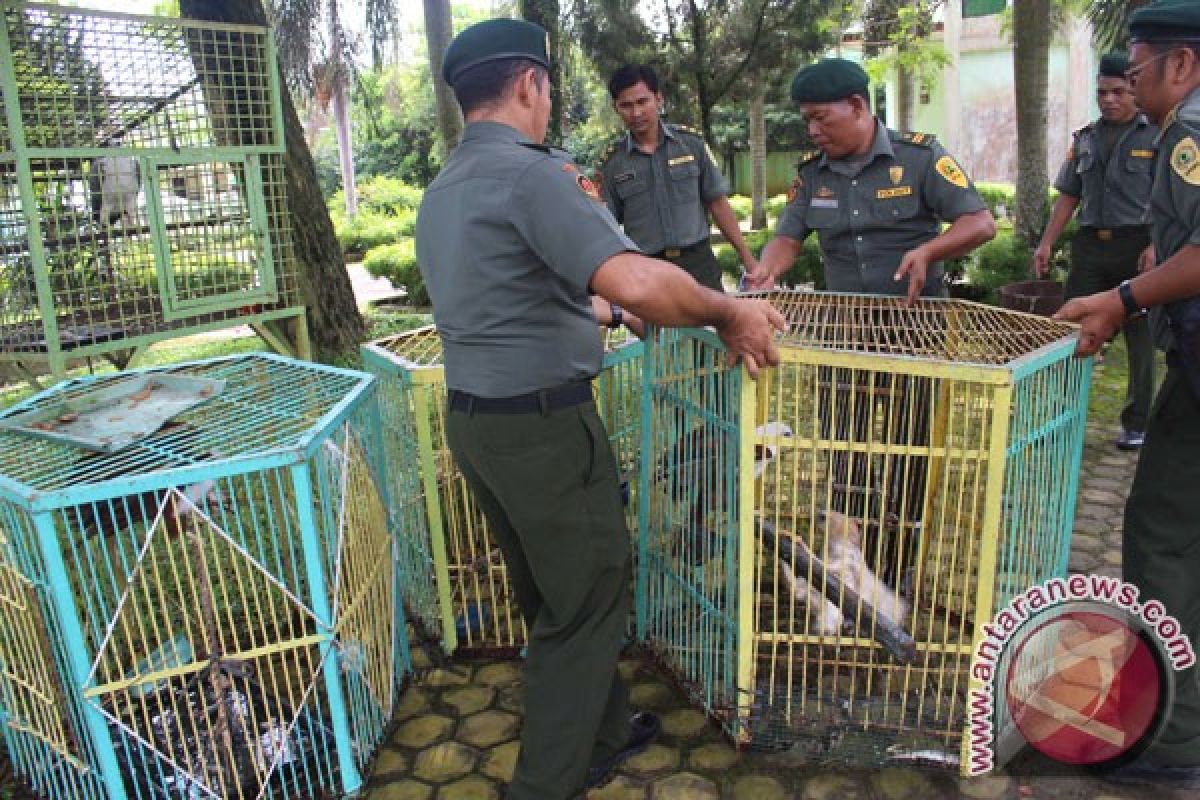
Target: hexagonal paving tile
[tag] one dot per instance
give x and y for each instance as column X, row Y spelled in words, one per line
column 684, row 786
column 472, row 788
column 389, row 761
column 758, row 787
column 423, row 731
column 444, row 762
column 654, row 760
column 488, row 728
column 901, row 784
column 414, row 701
column 621, row 787
column 457, row 675
column 402, row 790
column 504, row 673
column 628, row 669
column 500, row 761
column 831, row 786
column 684, row 723
column 510, row 698
column 651, row 695
column 987, row 787
column 714, row 757
column 469, row 699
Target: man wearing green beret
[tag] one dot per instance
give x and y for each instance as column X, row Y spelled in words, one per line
column 875, row 197
column 661, row 182
column 1107, row 176
column 512, row 240
column 1161, row 544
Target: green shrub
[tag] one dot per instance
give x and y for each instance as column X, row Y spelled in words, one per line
column 775, row 205
column 371, row 229
column 388, row 195
column 1000, row 198
column 1004, row 260
column 398, row 263
column 808, row 269
column 742, row 206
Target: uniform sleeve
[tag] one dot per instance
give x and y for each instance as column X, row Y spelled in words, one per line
column 560, row 214
column 792, row 221
column 947, row 189
column 712, row 182
column 1183, row 174
column 1068, row 180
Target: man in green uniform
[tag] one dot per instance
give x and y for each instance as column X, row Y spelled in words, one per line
column 1161, row 545
column 1107, row 176
column 511, row 239
column 876, row 199
column 661, row 182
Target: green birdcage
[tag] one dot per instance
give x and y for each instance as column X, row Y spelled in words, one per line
column 142, row 186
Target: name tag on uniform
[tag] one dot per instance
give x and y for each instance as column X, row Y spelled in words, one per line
column 681, row 160
column 898, row 191
column 1142, row 153
column 624, row 176
column 824, row 202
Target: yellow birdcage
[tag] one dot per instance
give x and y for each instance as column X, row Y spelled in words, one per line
column 820, row 548
column 452, row 575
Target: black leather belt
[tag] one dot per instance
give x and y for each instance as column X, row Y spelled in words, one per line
column 541, row 402
column 1108, row 234
column 676, row 252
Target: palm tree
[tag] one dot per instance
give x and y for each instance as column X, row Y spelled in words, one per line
column 317, row 55
column 1110, row 21
column 439, row 30
column 1031, row 79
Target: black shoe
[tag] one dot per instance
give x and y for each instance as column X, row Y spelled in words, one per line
column 1131, row 440
column 644, row 727
column 1146, row 774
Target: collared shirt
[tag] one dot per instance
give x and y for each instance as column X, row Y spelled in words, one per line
column 508, row 236
column 1175, row 200
column 1113, row 192
column 869, row 213
column 662, row 197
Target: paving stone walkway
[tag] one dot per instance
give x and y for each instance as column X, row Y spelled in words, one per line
column 456, row 734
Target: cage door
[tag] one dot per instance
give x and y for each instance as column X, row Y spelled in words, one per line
column 213, row 250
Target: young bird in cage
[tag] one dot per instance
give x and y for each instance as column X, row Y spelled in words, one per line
column 120, row 185
column 844, row 559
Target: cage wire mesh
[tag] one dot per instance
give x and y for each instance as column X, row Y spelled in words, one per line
column 142, row 185
column 211, row 611
column 454, row 580
column 821, row 547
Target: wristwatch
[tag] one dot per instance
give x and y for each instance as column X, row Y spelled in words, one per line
column 1125, row 292
column 618, row 317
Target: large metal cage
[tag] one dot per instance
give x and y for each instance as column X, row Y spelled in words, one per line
column 210, row 611
column 819, row 549
column 142, row 186
column 453, row 577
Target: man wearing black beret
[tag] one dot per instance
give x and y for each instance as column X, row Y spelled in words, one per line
column 1161, row 544
column 512, row 239
column 1107, row 176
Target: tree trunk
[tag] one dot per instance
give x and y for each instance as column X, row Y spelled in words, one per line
column 1031, row 76
column 758, row 154
column 340, row 103
column 545, row 13
column 439, row 30
column 906, row 100
column 334, row 323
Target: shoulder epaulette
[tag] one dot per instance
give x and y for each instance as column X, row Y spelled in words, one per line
column 1081, row 131
column 686, row 129
column 917, row 138
column 806, row 158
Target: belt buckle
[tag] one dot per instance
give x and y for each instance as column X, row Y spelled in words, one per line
column 672, row 252
column 1104, row 234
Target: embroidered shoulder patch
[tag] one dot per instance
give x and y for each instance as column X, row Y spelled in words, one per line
column 1185, row 160
column 948, row 168
column 587, row 187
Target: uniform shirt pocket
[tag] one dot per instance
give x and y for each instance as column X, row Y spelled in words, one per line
column 1140, row 164
column 630, row 187
column 894, row 203
column 685, row 181
column 822, row 219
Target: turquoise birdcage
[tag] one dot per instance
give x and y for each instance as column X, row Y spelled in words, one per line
column 142, row 186
column 935, row 447
column 199, row 582
column 452, row 575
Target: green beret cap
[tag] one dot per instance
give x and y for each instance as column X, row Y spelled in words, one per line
column 1114, row 65
column 492, row 40
column 829, row 79
column 1166, row 21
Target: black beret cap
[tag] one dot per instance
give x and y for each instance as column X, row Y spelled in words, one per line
column 829, row 79
column 1114, row 65
column 1166, row 21
column 492, row 40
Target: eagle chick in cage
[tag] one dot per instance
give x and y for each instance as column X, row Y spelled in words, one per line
column 178, row 510
column 116, row 190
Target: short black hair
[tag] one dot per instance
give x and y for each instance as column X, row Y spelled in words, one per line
column 487, row 84
column 632, row 75
column 1163, row 47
